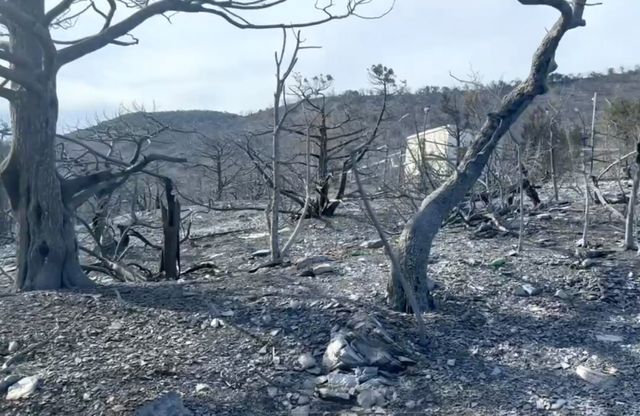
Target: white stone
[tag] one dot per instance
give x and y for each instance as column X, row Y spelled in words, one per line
column 372, row 244
column 323, row 268
column 13, row 347
column 559, row 404
column 609, row 338
column 200, row 387
column 594, row 377
column 306, row 361
column 23, row 388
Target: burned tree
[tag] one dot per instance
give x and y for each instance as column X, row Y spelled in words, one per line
column 47, row 252
column 222, row 165
column 417, row 236
column 624, row 118
column 170, row 261
column 336, row 134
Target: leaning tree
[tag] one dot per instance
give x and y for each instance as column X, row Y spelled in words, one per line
column 47, row 252
column 415, row 241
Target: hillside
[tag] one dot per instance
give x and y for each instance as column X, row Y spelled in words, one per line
column 199, row 129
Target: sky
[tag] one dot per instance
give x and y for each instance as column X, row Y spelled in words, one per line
column 201, row 62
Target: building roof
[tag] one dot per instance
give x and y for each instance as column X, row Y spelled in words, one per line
column 436, row 130
column 429, row 131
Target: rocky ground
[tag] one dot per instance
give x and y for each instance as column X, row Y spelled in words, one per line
column 548, row 330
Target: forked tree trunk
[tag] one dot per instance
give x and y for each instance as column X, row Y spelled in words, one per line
column 417, row 236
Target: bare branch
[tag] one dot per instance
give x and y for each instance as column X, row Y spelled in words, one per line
column 21, row 78
column 224, row 9
column 84, row 187
column 58, row 10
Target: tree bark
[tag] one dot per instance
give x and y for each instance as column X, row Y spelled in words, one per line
column 170, row 260
column 415, row 241
column 47, row 254
column 47, row 250
column 629, row 229
column 417, row 236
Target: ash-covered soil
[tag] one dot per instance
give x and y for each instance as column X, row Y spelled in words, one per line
column 512, row 335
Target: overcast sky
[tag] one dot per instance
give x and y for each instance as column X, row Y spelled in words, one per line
column 200, row 62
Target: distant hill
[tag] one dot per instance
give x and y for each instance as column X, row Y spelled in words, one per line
column 405, row 112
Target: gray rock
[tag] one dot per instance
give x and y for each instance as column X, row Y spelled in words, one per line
column 411, row 404
column 609, row 338
column 498, row 263
column 8, row 381
column 272, row 392
column 13, row 347
column 323, row 268
column 261, row 253
column 588, row 263
column 372, row 244
column 342, row 381
column 169, row 404
column 558, row 404
column 366, row 373
column 348, row 350
column 23, row 388
column 201, row 387
column 306, row 361
column 316, row 371
column 527, row 290
column 334, row 395
column 217, row 323
column 116, row 325
column 370, row 398
column 306, row 262
column 594, row 377
column 301, row 411
column 544, row 217
column 561, row 294
column 302, row 400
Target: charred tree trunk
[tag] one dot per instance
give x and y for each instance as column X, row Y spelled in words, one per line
column 170, row 260
column 629, row 230
column 99, row 220
column 220, row 183
column 47, row 251
column 417, row 236
column 415, row 240
column 47, row 254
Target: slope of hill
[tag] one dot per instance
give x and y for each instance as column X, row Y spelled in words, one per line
column 192, row 130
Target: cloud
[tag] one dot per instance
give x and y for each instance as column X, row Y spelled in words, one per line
column 201, row 62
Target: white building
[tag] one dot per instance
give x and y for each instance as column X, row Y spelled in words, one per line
column 437, row 148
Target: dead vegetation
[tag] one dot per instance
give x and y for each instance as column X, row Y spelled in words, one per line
column 233, row 343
